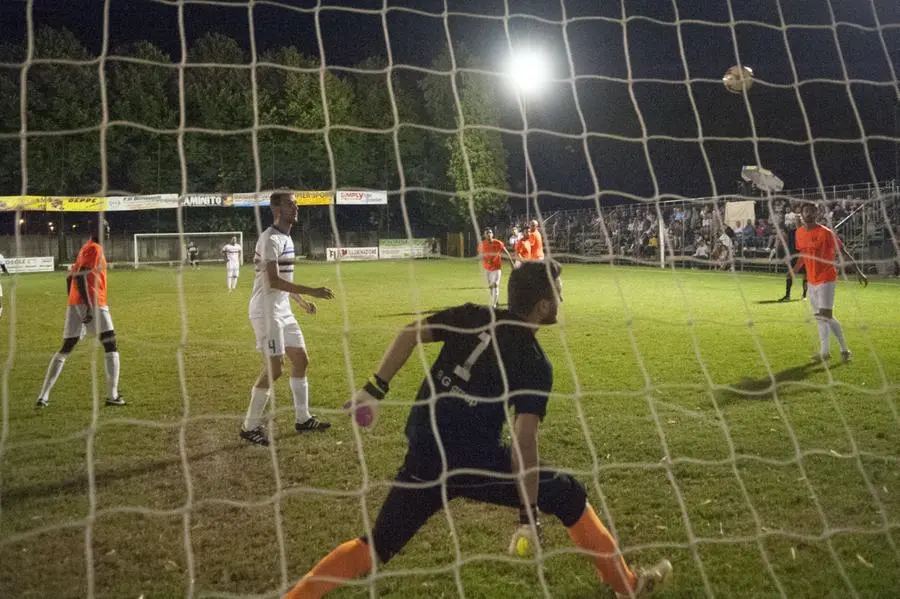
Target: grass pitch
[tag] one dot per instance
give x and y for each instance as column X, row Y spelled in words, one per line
column 684, row 401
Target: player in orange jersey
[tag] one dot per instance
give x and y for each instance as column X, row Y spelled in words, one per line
column 536, row 241
column 491, row 251
column 819, row 246
column 523, row 250
column 87, row 314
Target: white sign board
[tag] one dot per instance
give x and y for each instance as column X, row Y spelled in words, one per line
column 738, row 213
column 34, row 264
column 149, row 202
column 361, row 198
column 349, row 254
column 394, row 249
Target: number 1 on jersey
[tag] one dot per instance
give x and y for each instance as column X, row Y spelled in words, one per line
column 465, row 371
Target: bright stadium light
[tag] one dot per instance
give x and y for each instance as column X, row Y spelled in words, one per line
column 528, row 71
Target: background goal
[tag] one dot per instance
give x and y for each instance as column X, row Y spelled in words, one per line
column 170, row 248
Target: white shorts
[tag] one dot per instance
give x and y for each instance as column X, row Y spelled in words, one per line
column 233, row 271
column 75, row 328
column 282, row 336
column 821, row 296
column 493, row 277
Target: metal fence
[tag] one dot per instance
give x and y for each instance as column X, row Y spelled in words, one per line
column 863, row 215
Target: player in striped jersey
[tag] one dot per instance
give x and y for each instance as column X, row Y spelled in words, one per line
column 277, row 332
column 234, row 257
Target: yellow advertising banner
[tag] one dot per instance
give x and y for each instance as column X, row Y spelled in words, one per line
column 313, row 198
column 53, row 203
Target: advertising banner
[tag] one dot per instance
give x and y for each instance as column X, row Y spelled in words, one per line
column 313, row 198
column 249, row 200
column 206, row 200
column 149, row 202
column 361, row 198
column 351, row 254
column 33, row 264
column 53, row 203
column 394, row 249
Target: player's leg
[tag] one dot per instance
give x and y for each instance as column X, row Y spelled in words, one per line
column 1, row 300
column 788, row 283
column 826, row 313
column 495, row 288
column 295, row 350
column 404, row 512
column 270, row 342
column 73, row 330
column 824, row 353
column 110, row 357
column 562, row 496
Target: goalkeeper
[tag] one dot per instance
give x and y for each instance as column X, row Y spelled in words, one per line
column 483, row 360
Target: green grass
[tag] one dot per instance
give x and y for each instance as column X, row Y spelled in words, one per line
column 664, row 403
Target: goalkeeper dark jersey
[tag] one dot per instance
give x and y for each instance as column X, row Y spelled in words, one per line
column 472, row 399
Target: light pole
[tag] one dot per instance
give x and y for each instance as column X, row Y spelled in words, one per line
column 528, row 71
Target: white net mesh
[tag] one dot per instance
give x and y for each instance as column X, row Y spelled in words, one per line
column 683, row 401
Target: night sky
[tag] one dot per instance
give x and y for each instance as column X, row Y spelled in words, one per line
column 593, row 33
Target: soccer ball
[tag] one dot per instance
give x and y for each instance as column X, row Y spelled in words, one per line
column 737, row 79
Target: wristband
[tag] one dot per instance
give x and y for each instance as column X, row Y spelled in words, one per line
column 524, row 511
column 377, row 387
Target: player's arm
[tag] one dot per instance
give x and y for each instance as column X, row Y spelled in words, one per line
column 529, row 399
column 525, row 464
column 363, row 406
column 276, row 282
column 509, row 257
column 307, row 306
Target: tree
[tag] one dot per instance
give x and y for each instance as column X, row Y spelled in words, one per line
column 218, row 98
column 140, row 93
column 60, row 97
column 483, row 150
column 10, row 163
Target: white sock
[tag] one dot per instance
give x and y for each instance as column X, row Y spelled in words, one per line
column 56, row 365
column 838, row 332
column 495, row 295
column 112, row 374
column 300, row 391
column 823, row 336
column 258, row 399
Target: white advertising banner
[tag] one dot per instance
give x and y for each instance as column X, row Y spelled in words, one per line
column 361, row 198
column 738, row 213
column 33, row 264
column 351, row 254
column 150, row 202
column 395, row 249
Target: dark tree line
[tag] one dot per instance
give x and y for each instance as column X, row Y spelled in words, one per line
column 227, row 124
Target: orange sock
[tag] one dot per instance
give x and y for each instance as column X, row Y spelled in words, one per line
column 590, row 534
column 349, row 560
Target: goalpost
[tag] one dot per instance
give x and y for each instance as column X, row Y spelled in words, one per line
column 171, row 248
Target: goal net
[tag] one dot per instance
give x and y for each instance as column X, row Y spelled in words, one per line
column 684, row 399
column 175, row 248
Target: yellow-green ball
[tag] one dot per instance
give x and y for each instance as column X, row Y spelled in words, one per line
column 523, row 547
